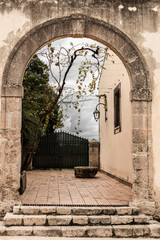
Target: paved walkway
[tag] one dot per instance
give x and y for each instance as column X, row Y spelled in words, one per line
column 61, row 187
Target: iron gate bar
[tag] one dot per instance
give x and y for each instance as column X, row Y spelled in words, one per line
column 61, row 150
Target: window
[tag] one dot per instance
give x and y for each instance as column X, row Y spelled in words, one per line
column 117, row 109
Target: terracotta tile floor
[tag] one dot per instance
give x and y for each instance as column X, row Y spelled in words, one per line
column 61, row 187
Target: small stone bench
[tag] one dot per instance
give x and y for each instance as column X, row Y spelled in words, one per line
column 85, row 171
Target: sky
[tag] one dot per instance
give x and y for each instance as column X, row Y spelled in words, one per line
column 88, row 127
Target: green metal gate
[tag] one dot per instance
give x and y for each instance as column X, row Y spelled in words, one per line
column 61, row 150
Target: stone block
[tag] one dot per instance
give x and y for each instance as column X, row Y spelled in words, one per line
column 15, row 74
column 86, row 211
column 154, row 230
column 94, row 153
column 11, row 104
column 15, row 120
column 140, row 186
column 153, row 222
column 16, row 210
column 109, row 211
column 43, row 34
column 121, row 220
column 74, row 231
column 139, row 136
column 137, row 121
column 12, row 171
column 145, row 207
column 65, row 27
column 135, row 211
column 78, row 26
column 13, row 220
column 139, row 93
column 105, row 220
column 19, row 231
column 64, row 210
column 1, row 223
column 127, row 51
column 80, row 220
column 30, row 210
column 141, row 219
column 139, row 107
column 123, row 231
column 93, row 29
column 6, row 207
column 47, row 231
column 139, row 147
column 139, row 162
column 59, row 220
column 2, row 230
column 139, row 81
column 12, row 92
column 140, row 231
column 31, row 220
column 118, row 41
column 47, row 210
column 11, row 135
column 124, row 210
column 99, row 231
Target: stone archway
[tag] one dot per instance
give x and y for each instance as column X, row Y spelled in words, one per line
column 140, row 96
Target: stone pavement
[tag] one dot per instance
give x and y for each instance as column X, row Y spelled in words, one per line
column 61, row 187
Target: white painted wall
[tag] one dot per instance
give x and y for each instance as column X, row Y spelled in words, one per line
column 13, row 25
column 115, row 149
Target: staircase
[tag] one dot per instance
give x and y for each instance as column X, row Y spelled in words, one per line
column 70, row 221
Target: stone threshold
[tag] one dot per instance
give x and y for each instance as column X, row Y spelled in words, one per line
column 72, row 205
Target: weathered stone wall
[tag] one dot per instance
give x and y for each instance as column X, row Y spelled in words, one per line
column 94, row 153
column 126, row 26
column 134, row 18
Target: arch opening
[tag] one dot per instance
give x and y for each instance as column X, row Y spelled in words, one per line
column 42, row 158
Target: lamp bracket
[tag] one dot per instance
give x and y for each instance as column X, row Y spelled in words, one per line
column 105, row 99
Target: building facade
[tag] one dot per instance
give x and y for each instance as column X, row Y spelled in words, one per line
column 116, row 132
column 131, row 29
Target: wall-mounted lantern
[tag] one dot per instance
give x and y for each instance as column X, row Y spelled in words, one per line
column 96, row 113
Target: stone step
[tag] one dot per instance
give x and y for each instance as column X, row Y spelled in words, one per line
column 59, row 210
column 11, row 219
column 114, row 231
